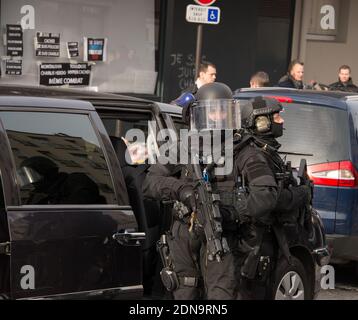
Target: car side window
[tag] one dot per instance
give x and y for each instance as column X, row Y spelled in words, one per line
column 138, row 131
column 58, row 159
column 354, row 112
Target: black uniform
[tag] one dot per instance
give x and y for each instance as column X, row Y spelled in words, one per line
column 260, row 141
column 198, row 277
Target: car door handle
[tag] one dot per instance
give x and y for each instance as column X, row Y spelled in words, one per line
column 129, row 238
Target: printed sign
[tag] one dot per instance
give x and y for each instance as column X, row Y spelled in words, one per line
column 13, row 67
column 72, row 49
column 14, row 40
column 95, row 49
column 200, row 14
column 59, row 74
column 47, row 44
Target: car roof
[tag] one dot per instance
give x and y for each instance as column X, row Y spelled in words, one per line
column 40, row 102
column 336, row 99
column 98, row 99
column 42, row 91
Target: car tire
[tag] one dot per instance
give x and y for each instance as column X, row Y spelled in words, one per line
column 290, row 281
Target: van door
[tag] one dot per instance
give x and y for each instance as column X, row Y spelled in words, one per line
column 67, row 207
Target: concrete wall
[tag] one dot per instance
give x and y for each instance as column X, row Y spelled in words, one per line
column 323, row 58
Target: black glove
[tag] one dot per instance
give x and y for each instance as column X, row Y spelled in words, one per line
column 187, row 196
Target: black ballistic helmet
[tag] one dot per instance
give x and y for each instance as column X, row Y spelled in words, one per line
column 215, row 109
column 214, row 91
column 259, row 106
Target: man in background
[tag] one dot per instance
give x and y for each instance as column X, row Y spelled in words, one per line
column 294, row 77
column 259, row 79
column 345, row 82
column 207, row 74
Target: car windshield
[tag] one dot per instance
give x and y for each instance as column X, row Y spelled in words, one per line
column 317, row 130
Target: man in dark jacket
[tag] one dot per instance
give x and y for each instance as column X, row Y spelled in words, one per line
column 294, row 77
column 345, row 82
column 207, row 74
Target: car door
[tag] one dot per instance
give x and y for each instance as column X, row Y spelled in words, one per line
column 66, row 201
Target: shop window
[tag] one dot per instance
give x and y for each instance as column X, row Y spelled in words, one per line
column 123, row 62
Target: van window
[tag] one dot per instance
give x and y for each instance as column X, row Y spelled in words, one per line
column 354, row 111
column 317, row 130
column 58, row 159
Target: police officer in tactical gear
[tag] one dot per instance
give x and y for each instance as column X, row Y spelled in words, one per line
column 264, row 124
column 190, row 270
column 271, row 197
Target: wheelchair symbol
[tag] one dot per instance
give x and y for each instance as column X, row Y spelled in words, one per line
column 213, row 15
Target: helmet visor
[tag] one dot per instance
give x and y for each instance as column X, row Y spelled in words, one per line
column 215, row 115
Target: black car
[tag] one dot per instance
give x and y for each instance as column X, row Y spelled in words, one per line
column 63, row 198
column 56, row 236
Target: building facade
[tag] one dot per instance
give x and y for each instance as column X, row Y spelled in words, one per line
column 325, row 38
column 147, row 48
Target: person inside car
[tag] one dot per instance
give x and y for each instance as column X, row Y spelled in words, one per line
column 53, row 187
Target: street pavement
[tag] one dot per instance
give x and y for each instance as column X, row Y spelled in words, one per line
column 346, row 287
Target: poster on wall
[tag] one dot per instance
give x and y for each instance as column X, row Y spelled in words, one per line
column 72, row 50
column 59, row 74
column 47, row 44
column 13, row 67
column 95, row 49
column 14, row 40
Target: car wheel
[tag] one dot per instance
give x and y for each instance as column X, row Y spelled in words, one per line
column 290, row 281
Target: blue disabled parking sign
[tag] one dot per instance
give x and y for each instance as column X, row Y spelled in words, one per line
column 213, row 15
column 200, row 14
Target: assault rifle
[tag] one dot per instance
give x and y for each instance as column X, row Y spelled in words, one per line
column 305, row 180
column 208, row 214
column 286, row 177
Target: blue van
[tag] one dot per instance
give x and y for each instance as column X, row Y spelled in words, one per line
column 322, row 126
